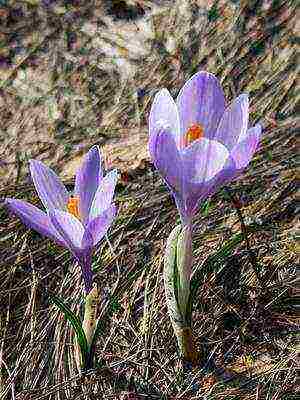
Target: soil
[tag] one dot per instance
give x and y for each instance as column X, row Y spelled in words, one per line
column 78, row 73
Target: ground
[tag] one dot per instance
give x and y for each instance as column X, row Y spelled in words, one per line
column 78, row 73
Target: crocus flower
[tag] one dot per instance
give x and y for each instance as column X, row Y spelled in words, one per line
column 199, row 143
column 76, row 221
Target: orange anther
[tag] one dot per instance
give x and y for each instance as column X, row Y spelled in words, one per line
column 73, row 206
column 194, row 132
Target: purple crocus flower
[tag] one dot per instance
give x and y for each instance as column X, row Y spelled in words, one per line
column 198, row 143
column 79, row 221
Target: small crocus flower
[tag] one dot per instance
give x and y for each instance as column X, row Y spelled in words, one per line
column 198, row 143
column 76, row 221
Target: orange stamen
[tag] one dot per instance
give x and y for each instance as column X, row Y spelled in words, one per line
column 73, row 206
column 194, row 132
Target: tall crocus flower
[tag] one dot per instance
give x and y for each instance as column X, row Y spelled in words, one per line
column 198, row 144
column 76, row 221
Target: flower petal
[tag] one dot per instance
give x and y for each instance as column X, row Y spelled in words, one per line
column 34, row 218
column 203, row 160
column 104, row 194
column 234, row 122
column 87, row 181
column 71, row 229
column 201, row 101
column 166, row 159
column 99, row 225
column 244, row 149
column 50, row 189
column 198, row 192
column 84, row 259
column 164, row 115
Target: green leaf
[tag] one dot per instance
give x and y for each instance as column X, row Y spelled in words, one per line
column 184, row 268
column 171, row 275
column 205, row 208
column 76, row 324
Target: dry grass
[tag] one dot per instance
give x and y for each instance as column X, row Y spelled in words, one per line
column 245, row 317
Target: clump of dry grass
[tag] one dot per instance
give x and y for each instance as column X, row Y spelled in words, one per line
column 244, row 315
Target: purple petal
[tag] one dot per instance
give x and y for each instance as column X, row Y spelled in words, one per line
column 71, row 229
column 244, row 149
column 201, row 101
column 164, row 115
column 84, row 259
column 104, row 194
column 198, row 192
column 99, row 225
column 234, row 122
column 203, row 160
column 87, row 181
column 166, row 158
column 236, row 162
column 34, row 218
column 50, row 189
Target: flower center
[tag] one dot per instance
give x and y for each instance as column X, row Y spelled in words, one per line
column 194, row 132
column 73, row 206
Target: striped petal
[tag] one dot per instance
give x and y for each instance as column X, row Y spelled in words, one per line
column 166, row 158
column 50, row 189
column 164, row 115
column 104, row 195
column 243, row 151
column 70, row 228
column 234, row 123
column 87, row 181
column 204, row 159
column 201, row 101
column 98, row 227
column 34, row 218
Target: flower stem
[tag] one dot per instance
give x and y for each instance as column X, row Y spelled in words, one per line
column 90, row 313
column 89, row 326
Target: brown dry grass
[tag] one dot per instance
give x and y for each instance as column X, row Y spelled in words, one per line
column 98, row 90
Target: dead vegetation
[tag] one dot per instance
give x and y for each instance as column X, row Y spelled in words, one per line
column 87, row 75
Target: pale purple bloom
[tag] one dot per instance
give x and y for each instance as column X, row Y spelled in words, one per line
column 198, row 143
column 79, row 221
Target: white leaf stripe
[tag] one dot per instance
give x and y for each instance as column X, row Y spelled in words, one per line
column 183, row 262
column 170, row 276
